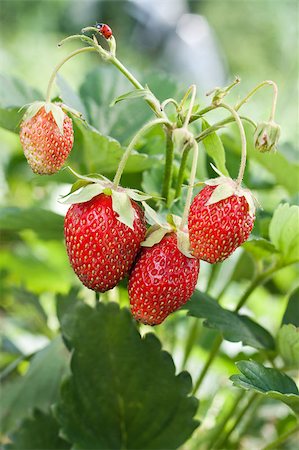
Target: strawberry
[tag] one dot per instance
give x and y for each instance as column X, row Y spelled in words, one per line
column 218, row 227
column 161, row 281
column 46, row 137
column 102, row 249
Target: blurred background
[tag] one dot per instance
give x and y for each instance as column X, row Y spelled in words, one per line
column 202, row 42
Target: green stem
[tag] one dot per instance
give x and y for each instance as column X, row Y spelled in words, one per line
column 243, row 141
column 168, row 170
column 213, row 353
column 130, row 147
column 54, row 73
column 259, row 86
column 192, row 336
column 181, row 174
column 191, row 185
column 192, row 89
column 97, row 297
column 222, row 443
column 274, row 445
column 221, row 124
column 217, row 432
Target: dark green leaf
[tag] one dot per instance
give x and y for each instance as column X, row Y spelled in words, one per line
column 291, row 313
column 46, row 224
column 15, row 93
column 270, row 382
column 10, row 119
column 41, row 432
column 38, row 388
column 234, row 327
column 138, row 93
column 69, row 96
column 288, row 344
column 260, row 248
column 215, row 149
column 123, row 391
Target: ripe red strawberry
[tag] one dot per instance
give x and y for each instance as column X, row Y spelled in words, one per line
column 161, row 281
column 45, row 146
column 217, row 229
column 101, row 249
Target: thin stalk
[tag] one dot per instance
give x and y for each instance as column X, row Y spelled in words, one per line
column 192, row 336
column 253, row 91
column 54, row 73
column 190, row 187
column 276, row 443
column 222, row 443
column 130, row 147
column 189, row 112
column 221, row 124
column 168, row 170
column 243, row 141
column 97, row 297
column 213, row 353
column 181, row 174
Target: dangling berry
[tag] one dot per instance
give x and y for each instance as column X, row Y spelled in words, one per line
column 104, row 29
column 162, row 280
column 101, row 249
column 46, row 137
column 217, row 226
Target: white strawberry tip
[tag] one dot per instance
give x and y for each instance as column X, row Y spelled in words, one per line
column 56, row 110
column 226, row 187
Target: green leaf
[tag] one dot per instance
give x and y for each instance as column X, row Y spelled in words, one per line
column 288, row 344
column 123, row 391
column 83, row 194
column 284, row 232
column 98, row 153
column 137, row 93
column 267, row 381
column 38, row 388
column 260, row 248
column 155, row 235
column 215, row 148
column 41, row 432
column 15, row 93
column 234, row 327
column 10, row 119
column 69, row 96
column 291, row 313
column 46, row 224
column 121, row 204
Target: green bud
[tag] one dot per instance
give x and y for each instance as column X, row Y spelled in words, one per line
column 266, row 136
column 180, row 138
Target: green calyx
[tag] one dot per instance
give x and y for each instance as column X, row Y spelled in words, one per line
column 266, row 136
column 56, row 110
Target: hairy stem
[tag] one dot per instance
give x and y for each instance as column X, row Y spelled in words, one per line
column 168, row 169
column 130, row 147
column 181, row 174
column 58, row 67
column 190, row 187
column 259, row 86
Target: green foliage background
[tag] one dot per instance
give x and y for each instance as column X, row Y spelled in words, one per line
column 258, row 41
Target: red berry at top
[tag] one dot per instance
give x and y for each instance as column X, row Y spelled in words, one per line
column 101, row 249
column 104, row 29
column 45, row 147
column 162, row 280
column 216, row 230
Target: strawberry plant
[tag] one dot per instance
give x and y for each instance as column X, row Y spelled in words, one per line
column 160, row 222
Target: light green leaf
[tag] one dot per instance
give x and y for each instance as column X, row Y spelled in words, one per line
column 137, row 93
column 153, row 217
column 215, row 148
column 123, row 391
column 260, row 248
column 41, row 432
column 138, row 196
column 234, row 327
column 33, row 109
column 288, row 344
column 221, row 192
column 83, row 194
column 183, row 243
column 121, row 204
column 69, row 96
column 59, row 116
column 267, row 381
column 155, row 236
column 284, row 232
column 38, row 388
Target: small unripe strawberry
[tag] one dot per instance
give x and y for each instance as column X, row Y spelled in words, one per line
column 47, row 139
column 217, row 228
column 101, row 249
column 162, row 280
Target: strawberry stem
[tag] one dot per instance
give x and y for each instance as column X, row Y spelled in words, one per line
column 243, row 140
column 191, row 90
column 58, row 67
column 191, row 184
column 259, row 86
column 130, row 147
column 168, row 170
